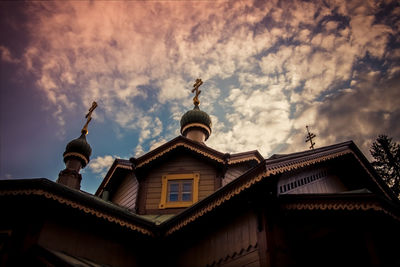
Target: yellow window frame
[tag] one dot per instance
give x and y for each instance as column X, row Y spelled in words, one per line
column 179, row 204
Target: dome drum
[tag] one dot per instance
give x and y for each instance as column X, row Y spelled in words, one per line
column 196, row 126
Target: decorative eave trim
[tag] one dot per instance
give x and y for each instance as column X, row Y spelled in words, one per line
column 239, row 187
column 74, row 154
column 79, row 206
column 338, row 205
column 290, row 165
column 180, row 144
column 215, row 203
column 200, row 125
column 236, row 161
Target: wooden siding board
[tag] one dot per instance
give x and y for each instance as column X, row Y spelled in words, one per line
column 126, row 193
column 308, row 182
column 249, row 259
column 234, row 172
column 233, row 243
column 177, row 165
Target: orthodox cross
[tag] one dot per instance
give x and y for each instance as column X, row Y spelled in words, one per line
column 196, row 86
column 309, row 138
column 88, row 118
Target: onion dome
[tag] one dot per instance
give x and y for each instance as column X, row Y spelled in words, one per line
column 196, row 119
column 78, row 148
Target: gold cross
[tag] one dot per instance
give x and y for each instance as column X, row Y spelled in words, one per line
column 196, row 86
column 89, row 117
column 309, row 138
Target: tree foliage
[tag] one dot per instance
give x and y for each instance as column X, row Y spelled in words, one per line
column 386, row 162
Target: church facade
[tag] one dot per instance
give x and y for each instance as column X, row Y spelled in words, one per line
column 186, row 204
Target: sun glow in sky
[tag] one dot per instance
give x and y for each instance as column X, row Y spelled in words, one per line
column 269, row 69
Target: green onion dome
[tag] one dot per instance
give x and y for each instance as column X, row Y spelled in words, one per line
column 196, row 118
column 78, row 148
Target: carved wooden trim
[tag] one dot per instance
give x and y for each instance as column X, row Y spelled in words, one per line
column 290, row 165
column 337, row 205
column 231, row 162
column 200, row 125
column 81, row 207
column 270, row 170
column 178, row 145
column 74, row 154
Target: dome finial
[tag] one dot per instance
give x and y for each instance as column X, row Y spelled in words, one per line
column 76, row 156
column 89, row 118
column 196, row 124
column 196, row 86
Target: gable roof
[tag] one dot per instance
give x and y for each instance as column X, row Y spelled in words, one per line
column 268, row 169
column 264, row 173
column 199, row 149
column 302, row 159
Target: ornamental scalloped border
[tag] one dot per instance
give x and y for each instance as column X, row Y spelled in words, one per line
column 339, row 205
column 231, row 162
column 75, row 154
column 200, row 125
column 76, row 205
column 247, row 184
column 175, row 146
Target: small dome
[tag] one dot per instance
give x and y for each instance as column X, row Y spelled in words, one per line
column 196, row 118
column 78, row 148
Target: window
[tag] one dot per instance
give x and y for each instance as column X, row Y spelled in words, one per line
column 179, row 190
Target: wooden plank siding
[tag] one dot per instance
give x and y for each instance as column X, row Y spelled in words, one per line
column 81, row 240
column 126, row 193
column 234, row 172
column 310, row 182
column 231, row 244
column 178, row 165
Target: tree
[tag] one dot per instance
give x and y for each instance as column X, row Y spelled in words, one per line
column 387, row 161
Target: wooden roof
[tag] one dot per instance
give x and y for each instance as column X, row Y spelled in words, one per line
column 268, row 169
column 162, row 152
column 76, row 199
column 381, row 201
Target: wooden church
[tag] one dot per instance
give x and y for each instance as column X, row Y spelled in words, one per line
column 186, row 204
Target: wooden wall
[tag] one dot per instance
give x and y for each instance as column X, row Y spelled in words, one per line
column 231, row 244
column 126, row 193
column 83, row 240
column 319, row 180
column 234, row 172
column 177, row 165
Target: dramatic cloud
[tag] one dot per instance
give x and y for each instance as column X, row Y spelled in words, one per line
column 269, row 69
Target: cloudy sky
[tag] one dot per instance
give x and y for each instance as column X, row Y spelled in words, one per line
column 269, row 69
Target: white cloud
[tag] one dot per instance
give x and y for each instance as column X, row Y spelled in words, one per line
column 367, row 36
column 136, row 57
column 172, row 88
column 259, row 120
column 100, row 165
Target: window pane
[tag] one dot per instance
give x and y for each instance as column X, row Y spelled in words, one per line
column 174, row 187
column 180, row 190
column 187, row 187
column 186, row 197
column 173, row 197
column 173, row 191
